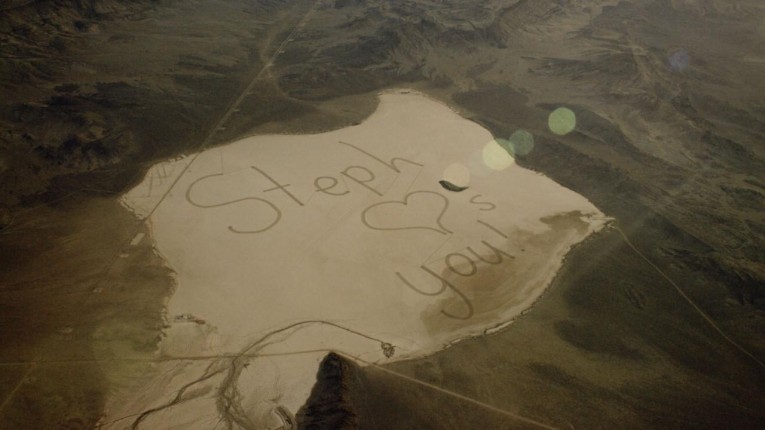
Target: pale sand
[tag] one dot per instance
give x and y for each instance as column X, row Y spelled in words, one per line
column 251, row 258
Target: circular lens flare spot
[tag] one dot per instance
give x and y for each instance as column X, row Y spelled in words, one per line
column 495, row 156
column 562, row 121
column 457, row 174
column 521, row 142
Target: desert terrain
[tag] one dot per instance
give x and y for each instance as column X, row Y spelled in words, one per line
column 655, row 321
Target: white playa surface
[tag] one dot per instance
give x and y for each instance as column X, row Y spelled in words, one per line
column 339, row 241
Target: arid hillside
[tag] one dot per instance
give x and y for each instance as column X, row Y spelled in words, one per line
column 656, row 322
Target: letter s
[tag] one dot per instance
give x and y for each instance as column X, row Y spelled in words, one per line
column 277, row 212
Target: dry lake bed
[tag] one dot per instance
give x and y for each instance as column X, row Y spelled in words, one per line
column 387, row 240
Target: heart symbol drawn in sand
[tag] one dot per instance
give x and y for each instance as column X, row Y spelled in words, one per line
column 405, row 203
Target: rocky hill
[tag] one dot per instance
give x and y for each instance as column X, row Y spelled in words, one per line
column 670, row 119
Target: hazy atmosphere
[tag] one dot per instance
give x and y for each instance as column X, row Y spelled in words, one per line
column 367, row 214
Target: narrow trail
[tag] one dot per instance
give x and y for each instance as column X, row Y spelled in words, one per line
column 228, row 397
column 209, row 373
column 690, row 301
column 454, row 394
column 234, row 106
column 209, row 139
column 15, row 389
column 232, row 365
column 237, row 417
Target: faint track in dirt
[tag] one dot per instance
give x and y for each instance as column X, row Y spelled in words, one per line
column 228, row 392
column 10, row 395
column 178, row 396
column 690, row 301
column 228, row 396
column 287, row 417
column 204, row 144
column 450, row 393
column 228, row 386
column 233, row 107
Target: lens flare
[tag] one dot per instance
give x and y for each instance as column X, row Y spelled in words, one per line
column 562, row 121
column 495, row 156
column 521, row 142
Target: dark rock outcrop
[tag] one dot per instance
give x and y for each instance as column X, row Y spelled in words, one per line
column 330, row 405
